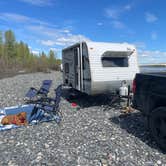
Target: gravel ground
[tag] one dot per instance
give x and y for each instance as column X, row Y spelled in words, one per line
column 91, row 134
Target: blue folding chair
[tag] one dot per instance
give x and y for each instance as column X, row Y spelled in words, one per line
column 49, row 106
column 33, row 94
column 45, row 87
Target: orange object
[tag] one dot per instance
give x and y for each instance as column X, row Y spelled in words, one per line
column 18, row 119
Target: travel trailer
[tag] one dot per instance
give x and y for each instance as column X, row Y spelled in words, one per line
column 97, row 67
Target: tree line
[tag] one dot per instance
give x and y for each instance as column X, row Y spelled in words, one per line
column 15, row 56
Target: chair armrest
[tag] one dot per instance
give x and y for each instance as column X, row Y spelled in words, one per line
column 43, row 91
column 32, row 92
column 47, row 99
column 33, row 89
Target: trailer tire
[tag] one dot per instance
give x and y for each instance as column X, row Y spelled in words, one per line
column 157, row 126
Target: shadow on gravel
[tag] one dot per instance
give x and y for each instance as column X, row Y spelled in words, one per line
column 84, row 101
column 135, row 124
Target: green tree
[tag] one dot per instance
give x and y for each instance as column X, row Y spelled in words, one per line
column 1, row 38
column 1, row 44
column 23, row 54
column 17, row 55
column 10, row 50
column 42, row 62
column 52, row 59
column 43, row 58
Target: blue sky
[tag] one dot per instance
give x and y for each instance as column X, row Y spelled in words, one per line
column 55, row 24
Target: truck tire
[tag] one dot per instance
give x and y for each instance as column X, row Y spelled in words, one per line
column 157, row 126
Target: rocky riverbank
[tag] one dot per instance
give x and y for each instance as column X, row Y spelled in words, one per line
column 92, row 134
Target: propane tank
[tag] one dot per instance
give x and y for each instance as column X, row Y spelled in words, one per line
column 61, row 67
column 123, row 90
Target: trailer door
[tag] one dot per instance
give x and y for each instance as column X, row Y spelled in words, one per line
column 77, row 68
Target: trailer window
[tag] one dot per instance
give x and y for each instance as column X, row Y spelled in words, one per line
column 115, row 61
column 66, row 68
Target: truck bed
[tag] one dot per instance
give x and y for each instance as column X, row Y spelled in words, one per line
column 150, row 89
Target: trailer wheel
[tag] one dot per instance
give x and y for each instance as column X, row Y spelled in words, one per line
column 157, row 126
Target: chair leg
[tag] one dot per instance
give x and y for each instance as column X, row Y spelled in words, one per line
column 34, row 111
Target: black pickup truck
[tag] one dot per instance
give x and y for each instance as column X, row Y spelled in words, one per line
column 150, row 98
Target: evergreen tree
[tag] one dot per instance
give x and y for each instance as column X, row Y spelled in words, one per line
column 1, row 38
column 1, row 44
column 43, row 61
column 10, row 50
column 52, row 59
column 17, row 55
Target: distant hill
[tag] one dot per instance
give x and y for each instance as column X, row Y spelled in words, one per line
column 153, row 65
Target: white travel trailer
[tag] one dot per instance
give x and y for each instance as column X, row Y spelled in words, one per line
column 96, row 67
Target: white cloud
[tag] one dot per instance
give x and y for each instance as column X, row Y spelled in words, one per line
column 150, row 17
column 64, row 40
column 47, row 42
column 35, row 52
column 112, row 13
column 118, row 24
column 155, row 53
column 154, row 35
column 41, row 32
column 70, row 39
column 144, row 55
column 140, row 45
column 13, row 17
column 55, row 49
column 40, row 3
column 151, row 57
column 127, row 7
column 99, row 23
column 57, row 36
column 116, row 12
column 66, row 31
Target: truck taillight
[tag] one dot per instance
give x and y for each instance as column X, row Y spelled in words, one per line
column 134, row 86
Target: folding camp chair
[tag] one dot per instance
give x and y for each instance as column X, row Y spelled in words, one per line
column 33, row 94
column 49, row 105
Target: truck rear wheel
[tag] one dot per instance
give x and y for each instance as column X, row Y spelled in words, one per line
column 157, row 126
